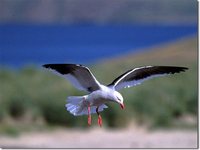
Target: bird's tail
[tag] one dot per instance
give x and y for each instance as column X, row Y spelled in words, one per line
column 76, row 106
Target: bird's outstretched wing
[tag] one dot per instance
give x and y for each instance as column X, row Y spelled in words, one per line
column 80, row 76
column 136, row 76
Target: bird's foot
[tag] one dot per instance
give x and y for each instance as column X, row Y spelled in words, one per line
column 100, row 122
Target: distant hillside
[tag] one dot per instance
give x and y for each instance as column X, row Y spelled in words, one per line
column 182, row 52
column 99, row 11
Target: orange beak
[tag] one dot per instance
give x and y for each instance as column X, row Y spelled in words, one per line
column 122, row 106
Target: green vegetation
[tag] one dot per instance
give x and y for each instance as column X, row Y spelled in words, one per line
column 33, row 96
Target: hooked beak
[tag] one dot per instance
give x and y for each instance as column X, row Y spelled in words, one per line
column 122, row 106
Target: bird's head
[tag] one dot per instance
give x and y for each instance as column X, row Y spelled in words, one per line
column 119, row 99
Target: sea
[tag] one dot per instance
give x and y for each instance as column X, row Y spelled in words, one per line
column 22, row 45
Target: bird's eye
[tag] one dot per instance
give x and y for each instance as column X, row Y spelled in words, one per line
column 118, row 98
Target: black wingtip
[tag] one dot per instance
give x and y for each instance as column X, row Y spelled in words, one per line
column 183, row 68
column 45, row 66
column 176, row 69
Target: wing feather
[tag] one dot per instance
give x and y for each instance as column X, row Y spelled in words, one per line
column 80, row 76
column 136, row 76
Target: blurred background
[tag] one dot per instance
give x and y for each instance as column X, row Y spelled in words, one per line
column 110, row 37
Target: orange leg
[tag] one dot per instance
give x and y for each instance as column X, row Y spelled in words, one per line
column 100, row 122
column 89, row 116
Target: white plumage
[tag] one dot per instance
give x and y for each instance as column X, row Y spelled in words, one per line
column 99, row 94
column 76, row 107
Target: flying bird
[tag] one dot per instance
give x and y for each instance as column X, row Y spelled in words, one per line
column 99, row 94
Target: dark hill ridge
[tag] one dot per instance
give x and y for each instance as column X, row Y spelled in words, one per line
column 99, row 11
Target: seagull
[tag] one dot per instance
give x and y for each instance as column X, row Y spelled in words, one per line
column 99, row 94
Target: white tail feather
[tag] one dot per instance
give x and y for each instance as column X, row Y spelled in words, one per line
column 76, row 106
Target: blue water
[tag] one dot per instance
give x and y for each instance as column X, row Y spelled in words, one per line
column 38, row 44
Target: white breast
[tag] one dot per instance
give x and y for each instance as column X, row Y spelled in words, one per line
column 102, row 96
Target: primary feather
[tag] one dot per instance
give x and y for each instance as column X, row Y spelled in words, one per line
column 138, row 75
